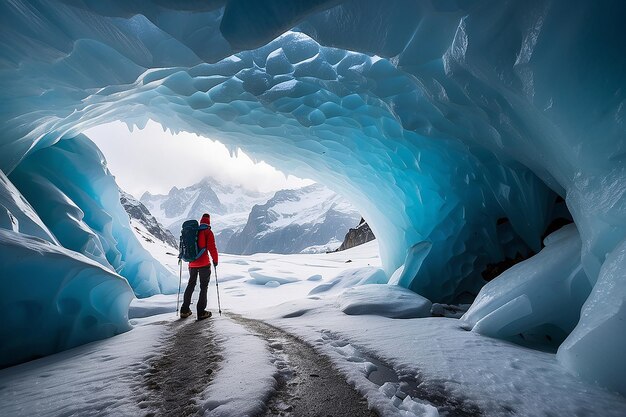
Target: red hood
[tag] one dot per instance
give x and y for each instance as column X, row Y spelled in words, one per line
column 206, row 219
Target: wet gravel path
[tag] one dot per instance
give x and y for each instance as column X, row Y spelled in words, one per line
column 308, row 384
column 174, row 379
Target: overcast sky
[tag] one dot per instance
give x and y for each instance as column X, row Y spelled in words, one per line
column 155, row 161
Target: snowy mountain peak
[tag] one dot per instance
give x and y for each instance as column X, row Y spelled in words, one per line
column 245, row 221
column 229, row 206
column 312, row 218
column 183, row 203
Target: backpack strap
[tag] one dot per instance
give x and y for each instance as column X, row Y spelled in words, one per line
column 200, row 252
column 201, row 227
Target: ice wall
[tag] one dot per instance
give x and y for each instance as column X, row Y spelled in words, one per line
column 595, row 348
column 538, row 301
column 69, row 185
column 65, row 248
column 17, row 215
column 441, row 121
column 52, row 298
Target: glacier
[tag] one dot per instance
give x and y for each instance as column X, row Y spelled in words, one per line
column 455, row 127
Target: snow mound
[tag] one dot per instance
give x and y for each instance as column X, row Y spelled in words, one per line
column 384, row 300
column 259, row 278
column 350, row 278
column 152, row 306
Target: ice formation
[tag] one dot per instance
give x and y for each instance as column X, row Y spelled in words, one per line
column 85, row 213
column 451, row 125
column 66, row 243
column 384, row 300
column 538, row 300
column 54, row 299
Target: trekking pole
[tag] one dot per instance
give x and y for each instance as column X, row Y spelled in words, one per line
column 180, row 278
column 217, row 287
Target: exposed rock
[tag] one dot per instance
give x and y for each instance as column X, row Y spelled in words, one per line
column 136, row 210
column 310, row 219
column 357, row 236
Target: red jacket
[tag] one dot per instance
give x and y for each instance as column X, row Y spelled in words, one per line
column 206, row 239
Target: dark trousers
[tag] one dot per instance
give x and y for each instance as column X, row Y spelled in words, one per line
column 205, row 277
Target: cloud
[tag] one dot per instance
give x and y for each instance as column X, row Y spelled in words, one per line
column 155, row 161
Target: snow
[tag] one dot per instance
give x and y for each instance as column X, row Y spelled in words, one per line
column 311, row 202
column 427, row 356
column 236, row 201
column 98, row 378
column 235, row 390
column 351, row 277
column 384, row 300
column 307, row 219
column 159, row 304
column 332, row 245
column 496, row 376
column 262, row 279
column 166, row 253
column 451, row 125
column 154, row 203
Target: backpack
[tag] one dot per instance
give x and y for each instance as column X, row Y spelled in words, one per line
column 188, row 248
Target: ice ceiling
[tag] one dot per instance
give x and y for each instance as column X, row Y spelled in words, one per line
column 454, row 126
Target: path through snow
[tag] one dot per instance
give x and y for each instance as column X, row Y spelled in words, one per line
column 443, row 369
column 308, row 384
column 184, row 369
column 201, row 371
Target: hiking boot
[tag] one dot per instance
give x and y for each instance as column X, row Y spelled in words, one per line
column 204, row 315
column 185, row 314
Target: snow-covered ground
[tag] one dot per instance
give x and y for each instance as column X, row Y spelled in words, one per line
column 99, row 378
column 303, row 294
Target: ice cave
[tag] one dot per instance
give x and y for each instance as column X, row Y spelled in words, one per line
column 466, row 131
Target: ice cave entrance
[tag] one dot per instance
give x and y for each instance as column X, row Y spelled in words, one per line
column 254, row 207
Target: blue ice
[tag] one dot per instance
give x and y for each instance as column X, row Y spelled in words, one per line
column 77, row 197
column 452, row 126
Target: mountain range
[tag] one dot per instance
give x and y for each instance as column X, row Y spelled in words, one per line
column 229, row 207
column 310, row 219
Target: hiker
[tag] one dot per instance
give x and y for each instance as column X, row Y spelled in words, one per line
column 201, row 267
